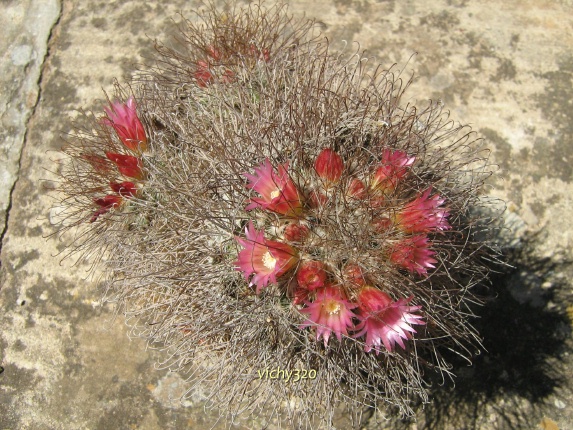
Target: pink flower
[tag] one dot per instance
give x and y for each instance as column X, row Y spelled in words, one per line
column 329, row 165
column 329, row 312
column 311, row 275
column 278, row 192
column 123, row 118
column 124, row 189
column 384, row 321
column 264, row 259
column 128, row 165
column 423, row 214
column 394, row 166
column 413, row 253
column 106, row 204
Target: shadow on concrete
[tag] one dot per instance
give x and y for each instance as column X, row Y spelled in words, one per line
column 508, row 385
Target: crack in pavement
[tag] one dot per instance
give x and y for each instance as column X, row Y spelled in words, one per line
column 39, row 84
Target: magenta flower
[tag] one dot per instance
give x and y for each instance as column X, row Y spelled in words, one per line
column 329, row 165
column 394, row 166
column 423, row 214
column 384, row 321
column 311, row 275
column 278, row 192
column 413, row 253
column 123, row 118
column 264, row 259
column 329, row 312
column 128, row 165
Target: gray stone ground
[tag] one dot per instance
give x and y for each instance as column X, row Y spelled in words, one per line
column 504, row 67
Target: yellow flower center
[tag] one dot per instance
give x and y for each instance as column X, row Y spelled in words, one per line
column 269, row 261
column 332, row 307
column 275, row 193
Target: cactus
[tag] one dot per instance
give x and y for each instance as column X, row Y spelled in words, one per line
column 256, row 202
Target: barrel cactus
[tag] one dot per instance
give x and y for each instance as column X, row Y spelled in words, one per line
column 274, row 217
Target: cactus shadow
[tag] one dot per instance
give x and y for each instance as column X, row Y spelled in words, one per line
column 525, row 329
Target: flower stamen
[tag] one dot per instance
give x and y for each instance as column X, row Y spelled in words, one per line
column 332, row 307
column 269, row 261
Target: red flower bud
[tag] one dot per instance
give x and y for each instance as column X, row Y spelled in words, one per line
column 266, row 54
column 377, row 199
column 260, row 55
column 394, row 166
column 357, row 189
column 300, row 295
column 202, row 75
column 124, row 189
column 228, row 76
column 99, row 163
column 329, row 165
column 354, row 275
column 317, row 199
column 296, row 232
column 106, row 203
column 311, row 275
column 213, row 53
column 128, row 165
column 382, row 224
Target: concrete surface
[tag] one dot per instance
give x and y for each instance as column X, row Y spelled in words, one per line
column 26, row 27
column 505, row 67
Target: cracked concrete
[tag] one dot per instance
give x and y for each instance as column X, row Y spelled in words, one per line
column 26, row 28
column 506, row 68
